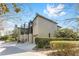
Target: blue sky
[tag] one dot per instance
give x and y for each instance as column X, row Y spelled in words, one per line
column 64, row 11
column 55, row 11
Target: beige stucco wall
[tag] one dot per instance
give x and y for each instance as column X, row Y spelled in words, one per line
column 23, row 37
column 35, row 27
column 44, row 27
column 30, row 38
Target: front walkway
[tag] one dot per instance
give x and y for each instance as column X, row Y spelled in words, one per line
column 20, row 49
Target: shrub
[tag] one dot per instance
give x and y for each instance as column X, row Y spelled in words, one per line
column 9, row 39
column 64, row 47
column 63, row 44
column 4, row 37
column 65, row 33
column 42, row 42
column 45, row 42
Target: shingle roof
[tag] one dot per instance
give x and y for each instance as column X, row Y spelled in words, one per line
column 58, row 26
column 44, row 18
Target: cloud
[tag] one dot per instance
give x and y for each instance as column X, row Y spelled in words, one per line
column 51, row 10
column 62, row 13
column 9, row 25
column 6, row 25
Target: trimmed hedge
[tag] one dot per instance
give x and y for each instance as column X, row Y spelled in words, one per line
column 45, row 42
column 65, row 48
column 42, row 43
column 63, row 44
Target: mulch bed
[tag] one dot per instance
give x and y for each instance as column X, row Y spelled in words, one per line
column 50, row 52
column 64, row 53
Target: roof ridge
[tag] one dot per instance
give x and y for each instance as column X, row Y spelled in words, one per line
column 37, row 14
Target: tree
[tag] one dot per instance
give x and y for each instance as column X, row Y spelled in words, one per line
column 16, row 32
column 65, row 33
column 4, row 8
column 74, row 20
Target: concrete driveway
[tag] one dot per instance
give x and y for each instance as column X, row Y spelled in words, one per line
column 20, row 49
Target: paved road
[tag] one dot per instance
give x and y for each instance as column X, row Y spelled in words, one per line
column 11, row 50
column 14, row 49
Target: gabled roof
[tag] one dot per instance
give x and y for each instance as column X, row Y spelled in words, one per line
column 44, row 18
column 58, row 26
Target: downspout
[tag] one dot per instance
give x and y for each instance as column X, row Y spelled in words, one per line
column 28, row 32
column 32, row 32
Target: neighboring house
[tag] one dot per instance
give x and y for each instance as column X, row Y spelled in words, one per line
column 24, row 34
column 41, row 27
column 21, row 34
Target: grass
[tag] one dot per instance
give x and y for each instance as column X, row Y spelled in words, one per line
column 77, row 42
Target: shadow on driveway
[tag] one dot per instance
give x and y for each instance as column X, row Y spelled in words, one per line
column 11, row 50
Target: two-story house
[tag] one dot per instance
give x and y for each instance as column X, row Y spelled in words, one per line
column 40, row 27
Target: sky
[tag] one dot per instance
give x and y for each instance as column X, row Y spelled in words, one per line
column 57, row 12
